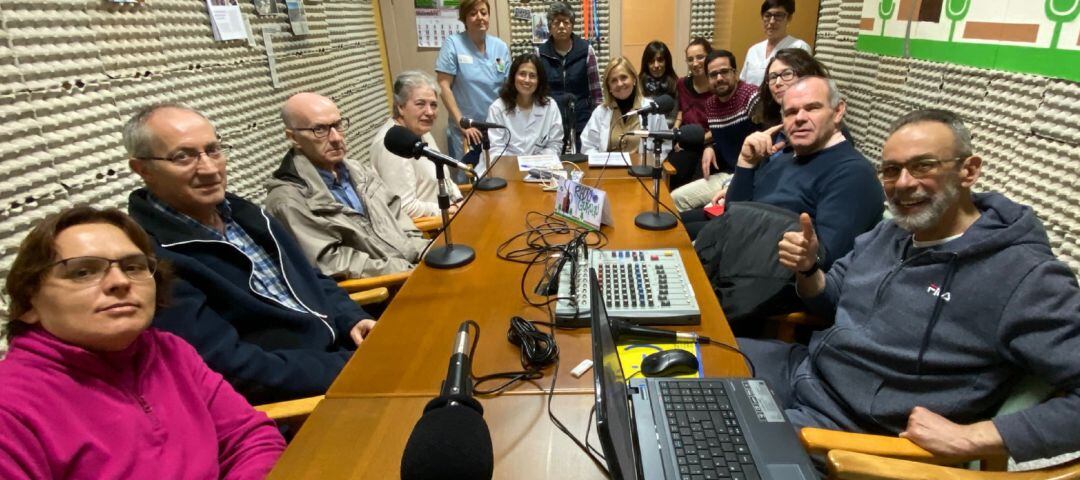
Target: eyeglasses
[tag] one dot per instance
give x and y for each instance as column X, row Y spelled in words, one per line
column 90, row 270
column 321, row 131
column 786, row 75
column 779, row 17
column 723, row 72
column 921, row 168
column 187, row 158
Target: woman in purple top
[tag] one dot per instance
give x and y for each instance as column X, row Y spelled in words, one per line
column 90, row 391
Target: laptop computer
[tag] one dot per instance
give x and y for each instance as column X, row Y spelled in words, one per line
column 697, row 428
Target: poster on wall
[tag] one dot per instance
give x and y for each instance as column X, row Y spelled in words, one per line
column 436, row 20
column 540, row 31
column 1033, row 36
column 297, row 17
column 226, row 20
column 265, row 8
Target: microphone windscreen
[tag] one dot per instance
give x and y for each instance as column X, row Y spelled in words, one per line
column 664, row 104
column 691, row 137
column 402, row 142
column 449, row 442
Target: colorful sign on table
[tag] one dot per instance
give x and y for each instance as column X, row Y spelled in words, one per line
column 582, row 204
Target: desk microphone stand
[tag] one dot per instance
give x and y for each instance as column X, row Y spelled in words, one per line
column 488, row 182
column 449, row 255
column 655, row 220
column 644, row 170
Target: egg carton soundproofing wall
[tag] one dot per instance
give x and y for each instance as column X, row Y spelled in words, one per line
column 702, row 19
column 73, row 71
column 1022, row 125
column 521, row 30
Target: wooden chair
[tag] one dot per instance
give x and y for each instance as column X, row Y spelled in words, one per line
column 843, row 464
column 1028, row 391
column 290, row 413
column 784, row 325
column 366, row 291
column 669, row 169
column 429, row 225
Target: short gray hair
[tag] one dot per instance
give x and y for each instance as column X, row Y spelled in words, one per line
column 137, row 138
column 408, row 81
column 831, row 89
column 561, row 8
column 961, row 135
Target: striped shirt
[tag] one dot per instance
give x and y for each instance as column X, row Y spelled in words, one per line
column 266, row 279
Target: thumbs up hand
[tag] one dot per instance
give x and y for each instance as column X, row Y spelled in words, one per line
column 798, row 250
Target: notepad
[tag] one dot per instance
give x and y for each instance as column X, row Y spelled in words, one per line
column 538, row 162
column 609, row 159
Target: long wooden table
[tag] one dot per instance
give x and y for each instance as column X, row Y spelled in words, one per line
column 359, row 431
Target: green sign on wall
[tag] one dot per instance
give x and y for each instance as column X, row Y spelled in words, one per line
column 1034, row 36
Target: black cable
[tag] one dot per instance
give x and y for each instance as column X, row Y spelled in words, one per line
column 467, row 197
column 596, row 183
column 538, row 350
column 588, row 429
column 749, row 363
column 599, row 461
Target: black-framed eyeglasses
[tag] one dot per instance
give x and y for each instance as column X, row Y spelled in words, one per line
column 321, row 131
column 722, row 72
column 778, row 16
column 188, row 157
column 921, row 168
column 786, row 75
column 89, row 270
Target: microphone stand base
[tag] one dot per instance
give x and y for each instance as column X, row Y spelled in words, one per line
column 642, row 171
column 654, row 221
column 450, row 256
column 490, row 183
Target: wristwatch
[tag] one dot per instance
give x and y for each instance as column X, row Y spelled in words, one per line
column 813, row 269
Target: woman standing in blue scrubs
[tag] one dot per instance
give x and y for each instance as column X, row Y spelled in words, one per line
column 471, row 67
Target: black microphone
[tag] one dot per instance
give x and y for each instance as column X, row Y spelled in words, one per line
column 458, row 378
column 662, row 105
column 688, row 137
column 470, row 123
column 621, row 329
column 404, row 143
column 451, row 440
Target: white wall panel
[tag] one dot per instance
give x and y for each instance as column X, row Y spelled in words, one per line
column 73, row 71
column 1024, row 126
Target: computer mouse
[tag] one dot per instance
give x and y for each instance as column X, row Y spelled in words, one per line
column 669, row 363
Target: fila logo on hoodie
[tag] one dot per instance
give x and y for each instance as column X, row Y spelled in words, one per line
column 935, row 290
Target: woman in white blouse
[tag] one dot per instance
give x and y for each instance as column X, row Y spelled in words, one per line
column 416, row 104
column 532, row 119
column 775, row 16
column 609, row 124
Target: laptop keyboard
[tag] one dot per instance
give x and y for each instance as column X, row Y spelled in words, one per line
column 709, row 442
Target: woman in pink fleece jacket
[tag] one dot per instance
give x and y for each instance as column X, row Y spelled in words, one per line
column 89, row 391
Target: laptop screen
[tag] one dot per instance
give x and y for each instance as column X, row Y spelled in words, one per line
column 613, row 424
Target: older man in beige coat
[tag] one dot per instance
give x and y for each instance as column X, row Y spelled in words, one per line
column 340, row 211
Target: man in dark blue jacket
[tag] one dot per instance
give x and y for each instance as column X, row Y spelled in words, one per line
column 247, row 298
column 572, row 71
column 938, row 313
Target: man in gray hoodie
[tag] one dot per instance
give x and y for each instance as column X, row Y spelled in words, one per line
column 938, row 313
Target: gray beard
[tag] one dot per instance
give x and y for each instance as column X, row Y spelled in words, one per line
column 930, row 215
